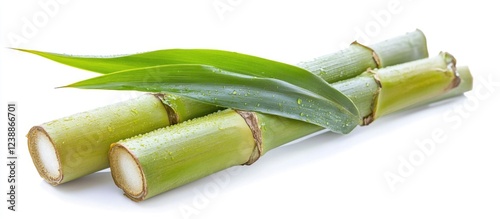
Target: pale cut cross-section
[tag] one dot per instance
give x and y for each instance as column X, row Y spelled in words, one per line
column 44, row 155
column 126, row 172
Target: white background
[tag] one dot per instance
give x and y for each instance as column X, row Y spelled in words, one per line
column 328, row 176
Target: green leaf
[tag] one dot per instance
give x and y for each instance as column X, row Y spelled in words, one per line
column 224, row 60
column 106, row 65
column 238, row 90
column 229, row 61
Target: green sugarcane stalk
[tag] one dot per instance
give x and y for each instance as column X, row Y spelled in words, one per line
column 357, row 58
column 74, row 146
column 150, row 164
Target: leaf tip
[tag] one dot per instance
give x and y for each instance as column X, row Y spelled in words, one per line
column 65, row 86
column 19, row 49
column 27, row 50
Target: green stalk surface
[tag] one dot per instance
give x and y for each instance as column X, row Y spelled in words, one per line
column 173, row 156
column 78, row 145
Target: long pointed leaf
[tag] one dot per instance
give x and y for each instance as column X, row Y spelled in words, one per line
column 229, row 61
column 233, row 90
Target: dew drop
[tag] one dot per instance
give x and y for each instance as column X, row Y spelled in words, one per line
column 322, row 71
column 263, row 126
column 299, row 101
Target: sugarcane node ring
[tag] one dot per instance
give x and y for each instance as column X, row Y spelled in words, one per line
column 253, row 123
column 375, row 56
column 367, row 120
column 173, row 117
column 452, row 65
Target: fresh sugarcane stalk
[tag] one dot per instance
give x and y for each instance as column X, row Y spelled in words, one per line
column 150, row 164
column 357, row 58
column 74, row 146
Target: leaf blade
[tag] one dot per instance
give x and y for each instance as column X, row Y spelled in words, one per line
column 233, row 90
column 229, row 61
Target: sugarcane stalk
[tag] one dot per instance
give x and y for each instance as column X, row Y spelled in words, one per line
column 71, row 147
column 357, row 58
column 398, row 88
column 147, row 165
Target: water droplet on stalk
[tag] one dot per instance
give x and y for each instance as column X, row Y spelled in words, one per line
column 263, row 126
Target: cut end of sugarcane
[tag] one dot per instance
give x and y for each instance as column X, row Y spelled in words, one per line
column 44, row 155
column 127, row 172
